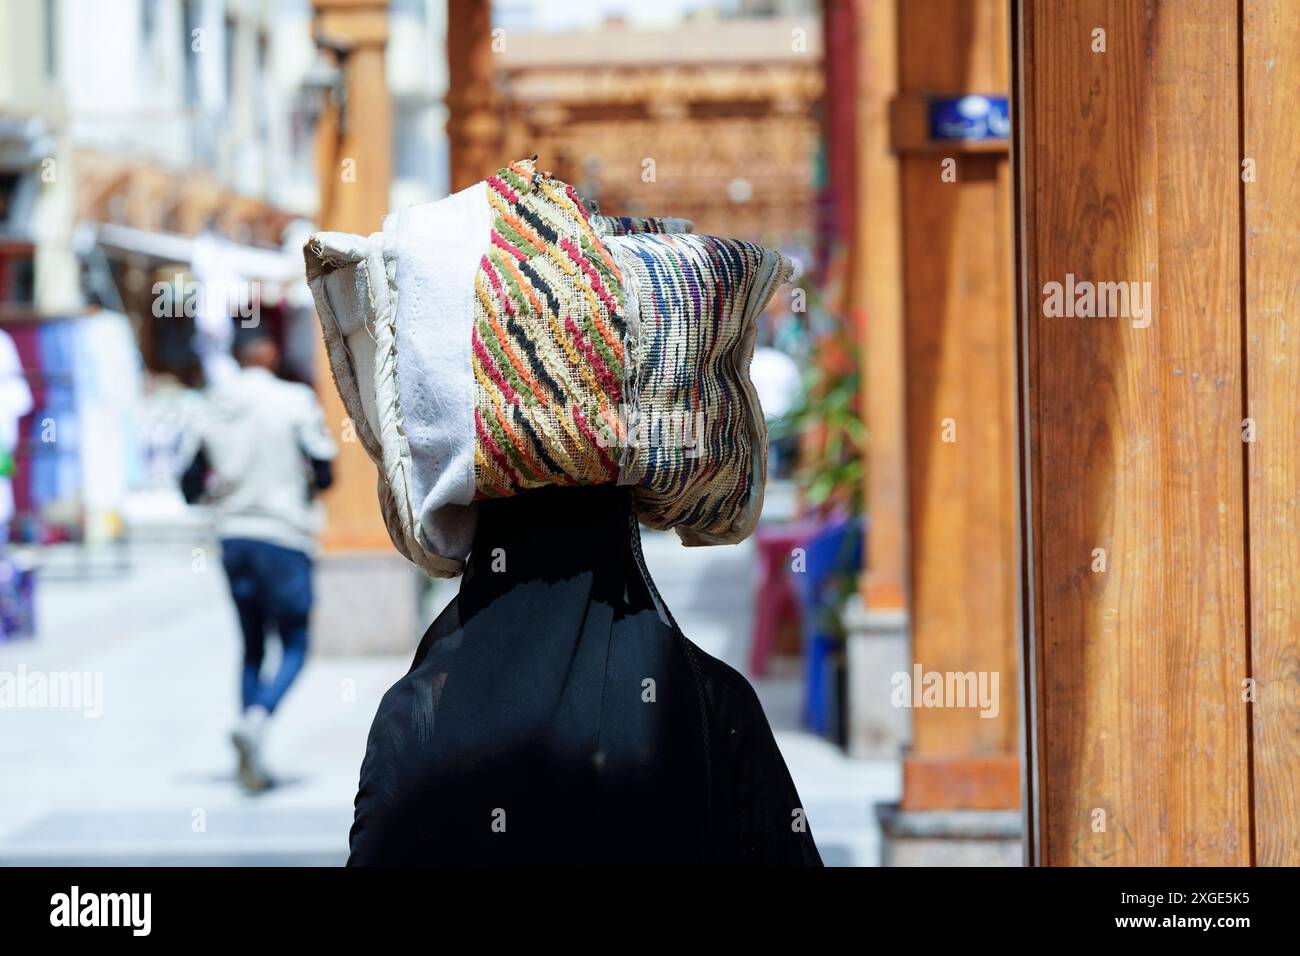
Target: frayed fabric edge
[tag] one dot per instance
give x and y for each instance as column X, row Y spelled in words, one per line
column 323, row 253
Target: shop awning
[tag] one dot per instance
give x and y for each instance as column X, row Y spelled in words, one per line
column 250, row 262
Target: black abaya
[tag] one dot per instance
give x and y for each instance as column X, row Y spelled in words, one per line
column 555, row 713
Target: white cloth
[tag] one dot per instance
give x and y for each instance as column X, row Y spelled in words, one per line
column 437, row 248
column 258, row 432
column 15, row 402
column 397, row 308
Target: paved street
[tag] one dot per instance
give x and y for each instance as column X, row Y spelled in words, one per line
column 150, row 779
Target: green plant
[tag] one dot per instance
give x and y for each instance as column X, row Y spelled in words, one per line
column 832, row 467
column 828, row 418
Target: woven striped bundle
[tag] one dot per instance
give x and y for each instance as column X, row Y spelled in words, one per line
column 505, row 338
column 701, row 449
column 548, row 340
column 631, row 225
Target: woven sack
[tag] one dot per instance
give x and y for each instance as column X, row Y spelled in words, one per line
column 506, row 338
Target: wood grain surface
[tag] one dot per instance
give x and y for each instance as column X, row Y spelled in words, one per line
column 1130, row 174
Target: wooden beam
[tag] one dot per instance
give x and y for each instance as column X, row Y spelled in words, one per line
column 960, row 390
column 473, row 125
column 1136, row 621
column 956, row 782
column 878, row 309
column 1271, row 192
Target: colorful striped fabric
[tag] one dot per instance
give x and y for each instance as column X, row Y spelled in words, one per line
column 548, row 340
column 700, row 453
column 632, row 225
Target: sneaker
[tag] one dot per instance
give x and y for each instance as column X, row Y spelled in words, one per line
column 247, row 738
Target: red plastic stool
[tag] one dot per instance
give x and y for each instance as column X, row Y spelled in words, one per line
column 774, row 602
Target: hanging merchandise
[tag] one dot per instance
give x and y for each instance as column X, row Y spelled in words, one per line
column 54, row 435
column 76, row 454
column 108, row 387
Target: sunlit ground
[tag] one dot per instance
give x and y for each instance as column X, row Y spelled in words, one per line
column 151, row 779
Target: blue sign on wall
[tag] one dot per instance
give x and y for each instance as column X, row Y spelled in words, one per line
column 969, row 118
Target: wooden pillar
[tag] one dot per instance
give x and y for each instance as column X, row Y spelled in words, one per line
column 840, row 107
column 354, row 157
column 877, row 307
column 954, row 204
column 1270, row 46
column 1161, row 546
column 473, row 121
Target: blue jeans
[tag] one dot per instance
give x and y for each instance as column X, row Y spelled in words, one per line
column 271, row 586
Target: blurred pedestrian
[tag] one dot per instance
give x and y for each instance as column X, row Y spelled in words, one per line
column 263, row 454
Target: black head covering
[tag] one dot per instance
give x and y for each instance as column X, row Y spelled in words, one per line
column 555, row 713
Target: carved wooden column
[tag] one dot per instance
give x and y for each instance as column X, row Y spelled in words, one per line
column 939, row 398
column 354, row 168
column 473, row 120
column 368, row 596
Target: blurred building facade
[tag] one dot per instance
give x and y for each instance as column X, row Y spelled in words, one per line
column 162, row 116
column 184, row 116
column 169, row 145
column 717, row 118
